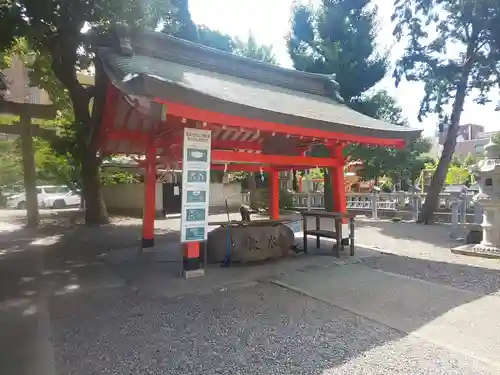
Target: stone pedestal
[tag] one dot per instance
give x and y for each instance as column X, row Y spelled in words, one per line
column 488, row 177
column 250, row 243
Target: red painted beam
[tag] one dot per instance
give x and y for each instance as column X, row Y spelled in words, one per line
column 229, row 168
column 274, row 160
column 239, row 168
column 135, row 136
column 181, row 110
column 218, row 144
column 274, row 195
column 141, row 138
column 236, row 145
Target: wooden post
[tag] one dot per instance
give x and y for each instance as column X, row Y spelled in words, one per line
column 191, row 260
column 274, row 195
column 29, row 171
column 374, row 199
column 148, row 223
column 27, row 111
column 338, row 185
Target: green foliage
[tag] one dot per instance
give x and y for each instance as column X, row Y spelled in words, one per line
column 386, row 184
column 433, row 29
column 59, row 50
column 251, row 49
column 285, row 201
column 314, row 174
column 53, row 168
column 338, row 38
column 215, row 39
column 10, row 163
column 456, row 160
column 239, row 176
column 457, row 175
column 261, row 199
column 382, row 106
column 116, row 178
column 405, row 163
column 13, row 47
column 182, row 26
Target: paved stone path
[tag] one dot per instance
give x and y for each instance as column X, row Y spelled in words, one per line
column 78, row 301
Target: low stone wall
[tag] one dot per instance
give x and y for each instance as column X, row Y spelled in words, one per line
column 128, row 199
column 220, row 192
column 133, row 212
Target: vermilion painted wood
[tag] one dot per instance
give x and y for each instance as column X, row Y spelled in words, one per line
column 192, row 250
column 274, row 195
column 338, row 181
column 181, row 110
column 149, row 194
column 274, row 160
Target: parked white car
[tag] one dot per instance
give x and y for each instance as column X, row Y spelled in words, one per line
column 43, row 192
column 70, row 199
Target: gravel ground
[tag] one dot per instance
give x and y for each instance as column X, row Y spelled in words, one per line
column 466, row 277
column 257, row 328
column 260, row 329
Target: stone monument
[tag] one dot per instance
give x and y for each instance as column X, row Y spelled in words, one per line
column 488, row 176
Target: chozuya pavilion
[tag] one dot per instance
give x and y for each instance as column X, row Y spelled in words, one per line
column 260, row 116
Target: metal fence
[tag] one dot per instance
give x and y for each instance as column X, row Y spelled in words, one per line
column 452, row 208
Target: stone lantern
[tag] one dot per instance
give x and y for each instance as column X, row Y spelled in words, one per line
column 488, row 176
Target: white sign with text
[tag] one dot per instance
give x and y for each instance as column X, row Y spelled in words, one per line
column 195, row 184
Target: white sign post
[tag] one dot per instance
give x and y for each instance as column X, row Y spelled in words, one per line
column 195, row 184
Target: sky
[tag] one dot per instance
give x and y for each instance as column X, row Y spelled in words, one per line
column 268, row 21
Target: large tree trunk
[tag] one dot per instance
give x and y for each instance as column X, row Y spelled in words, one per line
column 86, row 123
column 438, row 178
column 95, row 208
column 29, row 172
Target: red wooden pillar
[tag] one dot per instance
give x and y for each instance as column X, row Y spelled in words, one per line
column 191, row 261
column 148, row 223
column 274, row 195
column 338, row 182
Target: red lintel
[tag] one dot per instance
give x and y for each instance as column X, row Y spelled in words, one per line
column 274, row 160
column 222, row 144
column 141, row 138
column 230, row 167
column 239, row 168
column 181, row 110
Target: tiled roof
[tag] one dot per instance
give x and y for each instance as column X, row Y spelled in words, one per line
column 163, row 67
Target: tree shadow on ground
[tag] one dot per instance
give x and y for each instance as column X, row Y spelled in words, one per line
column 261, row 328
column 256, row 327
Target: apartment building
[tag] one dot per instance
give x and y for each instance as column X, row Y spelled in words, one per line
column 471, row 139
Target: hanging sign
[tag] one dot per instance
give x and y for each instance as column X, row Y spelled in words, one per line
column 195, row 184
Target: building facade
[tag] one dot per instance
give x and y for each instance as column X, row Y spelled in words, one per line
column 18, row 85
column 471, row 139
